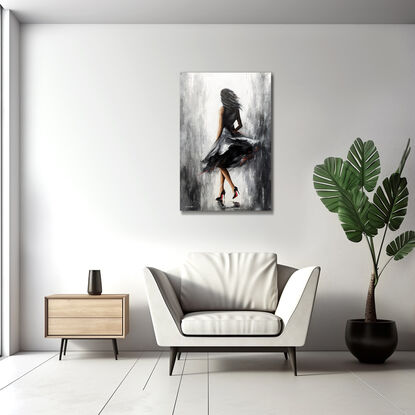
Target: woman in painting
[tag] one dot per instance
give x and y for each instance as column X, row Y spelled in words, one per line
column 231, row 148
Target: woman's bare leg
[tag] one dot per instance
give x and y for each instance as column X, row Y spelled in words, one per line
column 222, row 182
column 227, row 176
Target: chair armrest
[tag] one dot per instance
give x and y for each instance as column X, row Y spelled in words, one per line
column 165, row 309
column 296, row 303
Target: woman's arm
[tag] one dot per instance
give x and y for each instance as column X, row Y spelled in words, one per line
column 220, row 128
column 238, row 118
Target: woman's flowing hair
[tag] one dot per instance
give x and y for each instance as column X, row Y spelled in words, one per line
column 229, row 99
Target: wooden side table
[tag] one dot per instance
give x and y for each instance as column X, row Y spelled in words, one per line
column 79, row 316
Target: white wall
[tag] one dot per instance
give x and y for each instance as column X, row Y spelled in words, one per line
column 100, row 159
column 10, row 155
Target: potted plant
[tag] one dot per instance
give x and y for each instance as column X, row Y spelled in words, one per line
column 343, row 187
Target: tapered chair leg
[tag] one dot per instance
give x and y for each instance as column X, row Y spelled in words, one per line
column 66, row 345
column 286, row 355
column 115, row 348
column 173, row 354
column 293, row 359
column 179, row 355
column 60, row 352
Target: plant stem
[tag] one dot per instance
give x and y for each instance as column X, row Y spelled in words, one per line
column 381, row 246
column 389, row 260
column 370, row 312
column 372, row 245
column 372, row 253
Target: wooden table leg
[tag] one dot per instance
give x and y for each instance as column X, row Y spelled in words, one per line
column 60, row 352
column 115, row 348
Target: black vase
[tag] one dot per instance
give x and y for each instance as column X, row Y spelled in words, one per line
column 371, row 342
column 94, row 282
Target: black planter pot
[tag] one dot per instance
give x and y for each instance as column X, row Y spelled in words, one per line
column 371, row 342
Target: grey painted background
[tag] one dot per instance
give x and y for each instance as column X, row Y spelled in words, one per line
column 100, row 160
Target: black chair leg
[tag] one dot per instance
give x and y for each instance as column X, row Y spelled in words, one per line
column 66, row 345
column 115, row 348
column 286, row 355
column 293, row 359
column 60, row 352
column 179, row 355
column 173, row 354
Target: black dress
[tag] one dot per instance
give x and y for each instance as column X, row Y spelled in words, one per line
column 232, row 149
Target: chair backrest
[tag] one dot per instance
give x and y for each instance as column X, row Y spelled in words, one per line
column 284, row 274
column 228, row 281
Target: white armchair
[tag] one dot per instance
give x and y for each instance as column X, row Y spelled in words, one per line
column 231, row 302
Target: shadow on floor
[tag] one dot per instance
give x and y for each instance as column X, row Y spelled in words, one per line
column 309, row 363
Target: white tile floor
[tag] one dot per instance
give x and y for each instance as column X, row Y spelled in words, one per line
column 215, row 383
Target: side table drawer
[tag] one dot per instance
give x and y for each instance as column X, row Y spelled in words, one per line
column 68, row 326
column 85, row 307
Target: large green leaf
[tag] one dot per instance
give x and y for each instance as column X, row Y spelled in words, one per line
column 353, row 212
column 363, row 157
column 390, row 202
column 404, row 157
column 332, row 179
column 402, row 245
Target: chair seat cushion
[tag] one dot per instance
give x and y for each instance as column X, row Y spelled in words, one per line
column 231, row 323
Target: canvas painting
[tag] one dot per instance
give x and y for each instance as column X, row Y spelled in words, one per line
column 225, row 142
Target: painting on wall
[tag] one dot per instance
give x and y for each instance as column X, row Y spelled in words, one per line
column 225, row 141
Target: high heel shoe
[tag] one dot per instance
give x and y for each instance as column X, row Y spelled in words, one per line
column 235, row 192
column 221, row 197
